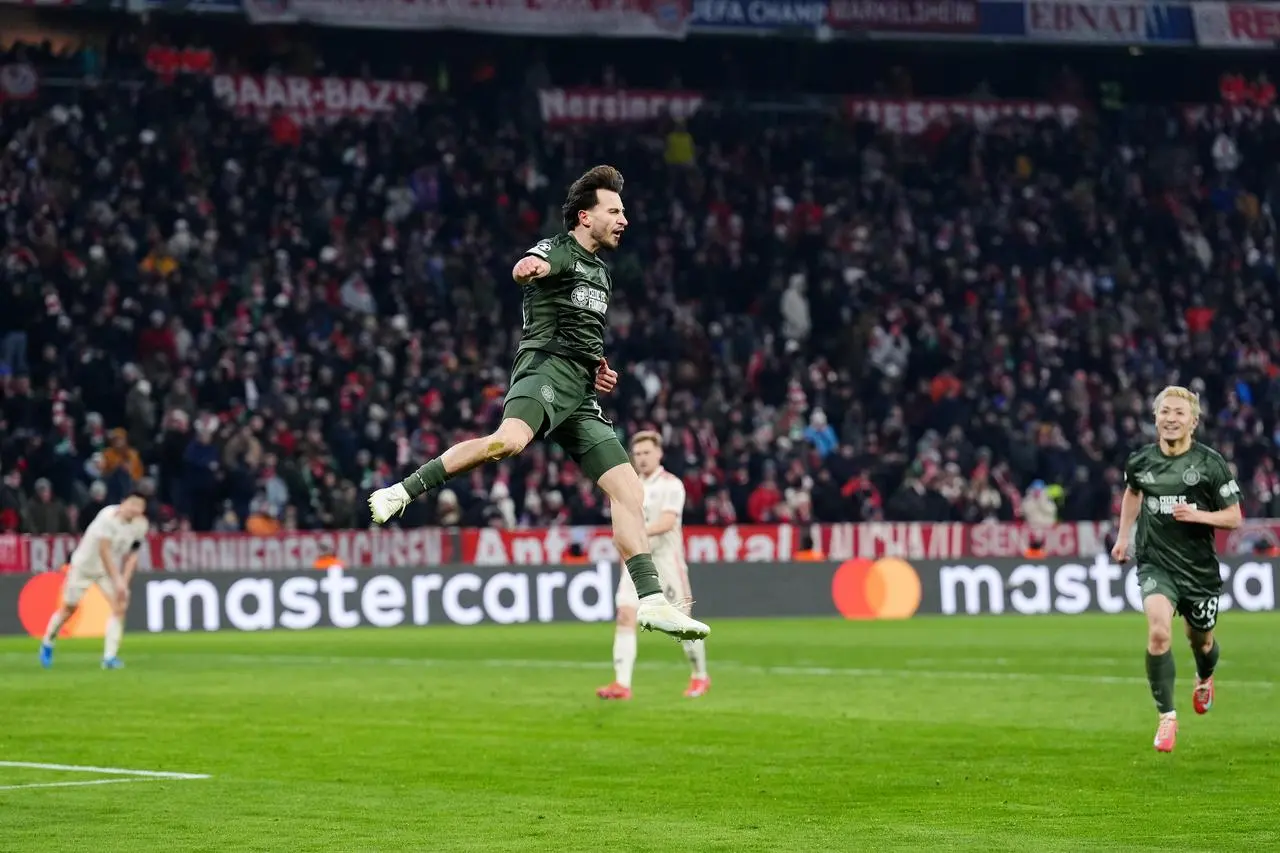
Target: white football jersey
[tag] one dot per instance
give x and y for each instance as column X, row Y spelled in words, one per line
column 123, row 536
column 664, row 492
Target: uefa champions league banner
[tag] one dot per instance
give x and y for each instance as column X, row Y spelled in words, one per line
column 667, row 19
column 862, row 589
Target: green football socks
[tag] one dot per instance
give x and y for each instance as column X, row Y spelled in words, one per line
column 644, row 575
column 1160, row 673
column 1206, row 662
column 428, row 477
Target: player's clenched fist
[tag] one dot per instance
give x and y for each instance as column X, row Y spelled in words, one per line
column 528, row 268
column 606, row 377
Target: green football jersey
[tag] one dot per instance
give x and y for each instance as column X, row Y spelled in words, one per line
column 564, row 310
column 1199, row 477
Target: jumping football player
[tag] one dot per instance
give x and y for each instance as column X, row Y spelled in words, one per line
column 1178, row 490
column 663, row 510
column 559, row 368
column 107, row 555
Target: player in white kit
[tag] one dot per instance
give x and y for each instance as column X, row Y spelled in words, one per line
column 106, row 555
column 663, row 509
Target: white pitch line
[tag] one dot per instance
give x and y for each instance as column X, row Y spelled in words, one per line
column 120, row 781
column 811, row 671
column 110, row 771
column 814, row 671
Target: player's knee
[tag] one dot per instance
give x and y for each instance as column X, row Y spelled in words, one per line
column 508, row 441
column 1158, row 639
column 627, row 618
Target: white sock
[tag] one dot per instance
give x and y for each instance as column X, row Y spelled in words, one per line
column 696, row 650
column 624, row 655
column 56, row 621
column 115, row 631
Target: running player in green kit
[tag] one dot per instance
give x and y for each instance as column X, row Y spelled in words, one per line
column 559, row 368
column 1178, row 491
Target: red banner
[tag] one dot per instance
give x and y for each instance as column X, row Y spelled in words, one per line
column 614, row 106
column 1253, row 537
column 917, row 16
column 911, row 117
column 736, row 543
column 393, row 548
column 308, row 99
column 190, row 552
column 610, row 18
column 1248, row 26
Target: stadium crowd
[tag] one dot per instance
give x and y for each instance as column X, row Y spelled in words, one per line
column 261, row 322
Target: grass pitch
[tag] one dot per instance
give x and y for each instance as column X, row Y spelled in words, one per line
column 999, row 733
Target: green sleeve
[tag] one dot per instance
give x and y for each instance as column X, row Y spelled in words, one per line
column 552, row 254
column 1223, row 488
column 1131, row 472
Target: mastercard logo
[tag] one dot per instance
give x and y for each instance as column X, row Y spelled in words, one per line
column 42, row 596
column 888, row 588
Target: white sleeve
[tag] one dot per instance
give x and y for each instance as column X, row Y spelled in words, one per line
column 99, row 528
column 140, row 539
column 673, row 496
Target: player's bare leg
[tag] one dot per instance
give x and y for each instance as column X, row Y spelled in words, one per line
column 510, row 439
column 1160, row 667
column 1204, row 645
column 114, row 632
column 624, row 656
column 626, row 502
column 694, row 650
column 699, row 681
column 56, row 621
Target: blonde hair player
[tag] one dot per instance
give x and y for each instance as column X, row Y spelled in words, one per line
column 1178, row 491
column 663, row 510
column 107, row 555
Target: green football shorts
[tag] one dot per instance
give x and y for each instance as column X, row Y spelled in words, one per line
column 556, row 397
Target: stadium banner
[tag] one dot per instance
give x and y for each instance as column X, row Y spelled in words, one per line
column 946, row 17
column 19, row 81
column 760, row 543
column 734, row 16
column 197, row 7
column 311, row 99
column 1245, row 26
column 225, row 552
column 1231, row 115
column 393, row 548
column 599, row 18
column 614, row 106
column 911, row 117
column 1129, row 22
column 861, row 589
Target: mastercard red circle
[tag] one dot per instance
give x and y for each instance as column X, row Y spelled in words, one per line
column 888, row 588
column 42, row 595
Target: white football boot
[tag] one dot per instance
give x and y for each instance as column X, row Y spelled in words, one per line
column 386, row 503
column 657, row 614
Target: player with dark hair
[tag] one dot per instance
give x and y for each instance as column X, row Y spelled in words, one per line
column 559, row 369
column 106, row 556
column 1178, row 491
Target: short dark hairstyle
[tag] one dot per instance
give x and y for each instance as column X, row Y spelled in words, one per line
column 137, row 494
column 582, row 195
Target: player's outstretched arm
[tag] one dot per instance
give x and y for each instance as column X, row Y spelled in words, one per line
column 1130, row 505
column 529, row 268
